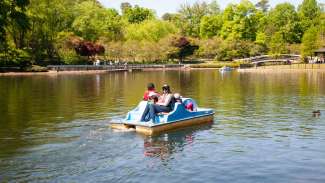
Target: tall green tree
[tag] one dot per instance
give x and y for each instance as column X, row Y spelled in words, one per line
column 277, row 44
column 95, row 21
column 48, row 18
column 14, row 24
column 240, row 21
column 309, row 12
column 210, row 26
column 13, row 18
column 284, row 20
column 138, row 14
column 190, row 17
column 310, row 42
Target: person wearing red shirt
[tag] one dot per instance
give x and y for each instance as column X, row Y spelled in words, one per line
column 150, row 91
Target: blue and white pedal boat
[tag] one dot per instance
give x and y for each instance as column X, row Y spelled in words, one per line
column 178, row 118
column 225, row 69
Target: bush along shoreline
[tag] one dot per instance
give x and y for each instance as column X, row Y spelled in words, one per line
column 33, row 68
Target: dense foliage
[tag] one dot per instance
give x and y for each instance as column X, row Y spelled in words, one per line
column 74, row 31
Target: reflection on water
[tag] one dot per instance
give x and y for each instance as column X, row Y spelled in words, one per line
column 163, row 146
column 54, row 128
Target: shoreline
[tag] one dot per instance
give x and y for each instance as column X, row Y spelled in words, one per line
column 84, row 72
column 247, row 70
column 280, row 70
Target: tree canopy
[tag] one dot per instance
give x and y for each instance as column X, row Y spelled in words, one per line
column 42, row 31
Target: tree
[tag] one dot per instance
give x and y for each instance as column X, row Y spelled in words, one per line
column 263, row 5
column 14, row 24
column 277, row 44
column 87, row 48
column 214, row 8
column 233, row 49
column 190, row 16
column 167, row 17
column 309, row 12
column 240, row 21
column 64, row 44
column 125, row 7
column 210, row 26
column 48, row 19
column 184, row 48
column 310, row 42
column 322, row 28
column 261, row 38
column 138, row 14
column 208, row 48
column 284, row 19
column 150, row 30
column 13, row 14
column 95, row 21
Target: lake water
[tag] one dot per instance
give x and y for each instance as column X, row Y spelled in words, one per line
column 55, row 128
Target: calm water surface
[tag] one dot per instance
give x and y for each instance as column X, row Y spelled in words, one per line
column 55, row 128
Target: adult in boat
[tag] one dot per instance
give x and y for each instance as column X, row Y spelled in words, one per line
column 150, row 92
column 164, row 104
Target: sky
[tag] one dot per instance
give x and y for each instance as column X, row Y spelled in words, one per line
column 171, row 6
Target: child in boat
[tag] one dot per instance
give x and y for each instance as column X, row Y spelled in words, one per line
column 150, row 90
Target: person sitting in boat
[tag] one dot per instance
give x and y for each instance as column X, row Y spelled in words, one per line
column 164, row 104
column 150, row 91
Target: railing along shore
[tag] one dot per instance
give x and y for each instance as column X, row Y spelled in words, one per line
column 289, row 66
column 111, row 67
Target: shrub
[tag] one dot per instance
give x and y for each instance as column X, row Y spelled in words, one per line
column 15, row 57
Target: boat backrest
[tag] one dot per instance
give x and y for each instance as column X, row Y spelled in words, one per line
column 172, row 102
column 189, row 100
column 137, row 112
